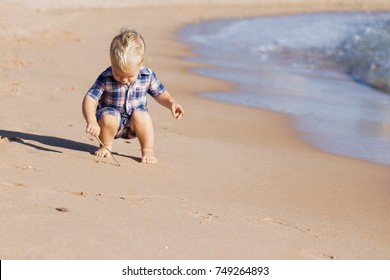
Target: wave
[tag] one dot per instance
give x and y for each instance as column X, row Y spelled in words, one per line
column 358, row 45
column 366, row 55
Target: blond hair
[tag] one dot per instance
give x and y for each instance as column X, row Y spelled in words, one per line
column 127, row 49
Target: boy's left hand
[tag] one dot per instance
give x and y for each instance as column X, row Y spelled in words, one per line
column 177, row 111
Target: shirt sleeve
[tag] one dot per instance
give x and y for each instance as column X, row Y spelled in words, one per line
column 97, row 88
column 155, row 87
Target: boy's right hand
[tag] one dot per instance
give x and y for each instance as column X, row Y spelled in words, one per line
column 93, row 128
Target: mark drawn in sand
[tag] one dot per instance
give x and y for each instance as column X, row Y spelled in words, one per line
column 71, row 36
column 15, row 61
column 277, row 222
column 64, row 89
column 25, row 167
column 272, row 221
column 132, row 200
column 282, row 223
column 9, row 186
column 88, row 138
column 62, row 209
column 79, row 193
column 313, row 255
column 137, row 200
column 304, row 253
column 204, row 217
column 4, row 164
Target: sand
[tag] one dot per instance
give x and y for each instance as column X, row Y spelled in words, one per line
column 232, row 182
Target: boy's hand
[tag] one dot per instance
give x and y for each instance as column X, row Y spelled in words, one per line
column 177, row 110
column 93, row 128
column 168, row 102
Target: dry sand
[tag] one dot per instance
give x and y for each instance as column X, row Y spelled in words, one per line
column 231, row 183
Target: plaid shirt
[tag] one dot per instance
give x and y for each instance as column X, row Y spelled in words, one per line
column 125, row 97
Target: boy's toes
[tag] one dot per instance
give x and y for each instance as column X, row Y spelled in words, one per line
column 102, row 152
column 149, row 160
column 148, row 157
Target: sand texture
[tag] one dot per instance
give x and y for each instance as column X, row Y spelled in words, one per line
column 231, row 183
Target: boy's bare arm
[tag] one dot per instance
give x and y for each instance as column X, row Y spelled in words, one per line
column 166, row 100
column 89, row 111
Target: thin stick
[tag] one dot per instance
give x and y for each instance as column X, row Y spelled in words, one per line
column 117, row 162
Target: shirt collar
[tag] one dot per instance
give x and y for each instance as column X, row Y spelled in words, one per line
column 142, row 71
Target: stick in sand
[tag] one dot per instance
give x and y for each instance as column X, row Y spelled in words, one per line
column 117, row 162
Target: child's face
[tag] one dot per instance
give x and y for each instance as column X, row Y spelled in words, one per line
column 125, row 77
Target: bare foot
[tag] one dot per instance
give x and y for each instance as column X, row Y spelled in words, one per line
column 102, row 152
column 148, row 156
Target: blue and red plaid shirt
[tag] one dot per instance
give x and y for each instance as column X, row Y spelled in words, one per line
column 125, row 98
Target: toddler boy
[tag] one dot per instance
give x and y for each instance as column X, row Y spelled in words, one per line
column 115, row 105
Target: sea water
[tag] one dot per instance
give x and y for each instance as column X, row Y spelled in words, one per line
column 329, row 71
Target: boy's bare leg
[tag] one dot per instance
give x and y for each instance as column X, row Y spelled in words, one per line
column 141, row 123
column 109, row 125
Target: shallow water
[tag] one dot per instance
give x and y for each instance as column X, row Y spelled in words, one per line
column 303, row 65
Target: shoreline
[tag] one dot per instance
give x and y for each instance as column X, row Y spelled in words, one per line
column 232, row 182
column 331, row 140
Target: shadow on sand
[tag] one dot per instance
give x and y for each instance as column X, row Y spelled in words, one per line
column 52, row 141
column 24, row 138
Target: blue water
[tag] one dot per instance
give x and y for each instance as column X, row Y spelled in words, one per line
column 328, row 71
